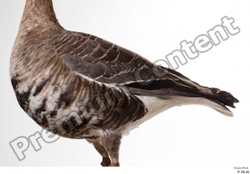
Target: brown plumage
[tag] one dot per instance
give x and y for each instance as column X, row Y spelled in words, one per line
column 79, row 86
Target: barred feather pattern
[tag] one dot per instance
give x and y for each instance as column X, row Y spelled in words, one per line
column 48, row 90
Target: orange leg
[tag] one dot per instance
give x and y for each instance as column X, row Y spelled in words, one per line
column 114, row 165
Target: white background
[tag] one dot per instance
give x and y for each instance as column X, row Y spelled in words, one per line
column 181, row 138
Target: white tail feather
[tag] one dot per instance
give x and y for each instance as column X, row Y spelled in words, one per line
column 156, row 105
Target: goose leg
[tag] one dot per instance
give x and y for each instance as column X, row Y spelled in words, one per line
column 112, row 145
column 102, row 151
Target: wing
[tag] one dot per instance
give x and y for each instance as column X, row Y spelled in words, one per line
column 101, row 61
column 108, row 63
column 98, row 59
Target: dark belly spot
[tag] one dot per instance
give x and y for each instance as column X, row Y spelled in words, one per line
column 23, row 99
column 40, row 87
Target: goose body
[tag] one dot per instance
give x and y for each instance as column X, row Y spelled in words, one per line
column 79, row 86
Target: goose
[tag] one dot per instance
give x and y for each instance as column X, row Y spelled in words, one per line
column 80, row 86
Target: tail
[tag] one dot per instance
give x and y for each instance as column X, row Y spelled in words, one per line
column 211, row 97
column 186, row 91
column 221, row 99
